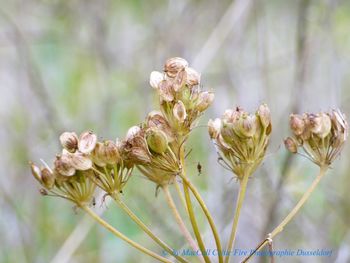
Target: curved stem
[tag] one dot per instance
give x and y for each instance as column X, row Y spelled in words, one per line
column 290, row 216
column 178, row 218
column 121, row 236
column 149, row 232
column 187, row 183
column 240, row 199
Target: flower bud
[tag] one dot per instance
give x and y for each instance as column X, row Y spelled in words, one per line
column 47, row 178
column 35, row 171
column 264, row 115
column 214, row 127
column 157, row 140
column 193, row 77
column 179, row 111
column 63, row 165
column 291, row 145
column 69, row 141
column 87, row 142
column 297, row 124
column 155, row 78
column 204, row 100
column 174, row 65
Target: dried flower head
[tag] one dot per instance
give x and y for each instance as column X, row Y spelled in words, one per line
column 321, row 135
column 241, row 138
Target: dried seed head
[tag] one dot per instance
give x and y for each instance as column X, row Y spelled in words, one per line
column 156, row 140
column 174, row 65
column 69, row 141
column 297, row 124
column 291, row 145
column 87, row 142
column 179, row 111
column 193, row 77
column 63, row 165
column 155, row 78
column 205, row 99
column 214, row 127
column 47, row 178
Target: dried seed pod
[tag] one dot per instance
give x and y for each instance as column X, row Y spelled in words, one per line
column 264, row 115
column 155, row 78
column 165, row 89
column 246, row 126
column 174, row 65
column 179, row 111
column 109, row 152
column 63, row 165
column 133, row 132
column 193, row 77
column 297, row 124
column 80, row 161
column 180, row 80
column 87, row 142
column 291, row 145
column 157, row 140
column 69, row 141
column 36, row 172
column 47, row 178
column 205, row 99
column 214, row 127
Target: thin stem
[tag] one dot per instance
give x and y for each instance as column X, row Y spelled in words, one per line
column 121, row 236
column 290, row 216
column 178, row 218
column 187, row 183
column 180, row 194
column 194, row 223
column 240, row 199
column 149, row 232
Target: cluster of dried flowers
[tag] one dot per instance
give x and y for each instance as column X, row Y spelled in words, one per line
column 157, row 146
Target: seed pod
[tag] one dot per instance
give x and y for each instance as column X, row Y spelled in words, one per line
column 204, row 100
column 96, row 155
column 139, row 155
column 63, row 165
column 157, row 140
column 179, row 111
column 87, row 142
column 180, row 80
column 246, row 126
column 166, row 92
column 291, row 145
column 133, row 132
column 155, row 78
column 108, row 152
column 80, row 161
column 47, row 178
column 69, row 141
column 297, row 124
column 174, row 65
column 214, row 127
column 264, row 115
column 35, row 171
column 193, row 77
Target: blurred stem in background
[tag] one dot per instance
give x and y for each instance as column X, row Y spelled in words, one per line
column 290, row 216
column 149, row 232
column 121, row 236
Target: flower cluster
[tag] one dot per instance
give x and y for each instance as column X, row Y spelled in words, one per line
column 180, row 95
column 241, row 138
column 321, row 135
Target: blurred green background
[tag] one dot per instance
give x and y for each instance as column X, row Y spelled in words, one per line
column 84, row 65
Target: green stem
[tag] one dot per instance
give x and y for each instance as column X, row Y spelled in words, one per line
column 290, row 216
column 123, row 237
column 187, row 183
column 178, row 218
column 240, row 199
column 149, row 232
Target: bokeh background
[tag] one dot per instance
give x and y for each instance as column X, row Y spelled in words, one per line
column 78, row 65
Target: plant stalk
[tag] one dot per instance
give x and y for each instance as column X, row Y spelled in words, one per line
column 240, row 199
column 123, row 237
column 290, row 216
column 149, row 232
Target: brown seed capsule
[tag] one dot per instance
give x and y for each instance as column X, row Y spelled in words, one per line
column 205, row 99
column 47, row 178
column 291, row 145
column 79, row 161
column 35, row 171
column 155, row 78
column 179, row 111
column 174, row 65
column 193, row 77
column 165, row 89
column 156, row 140
column 63, row 165
column 109, row 152
column 69, row 141
column 139, row 155
column 297, row 124
column 87, row 142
